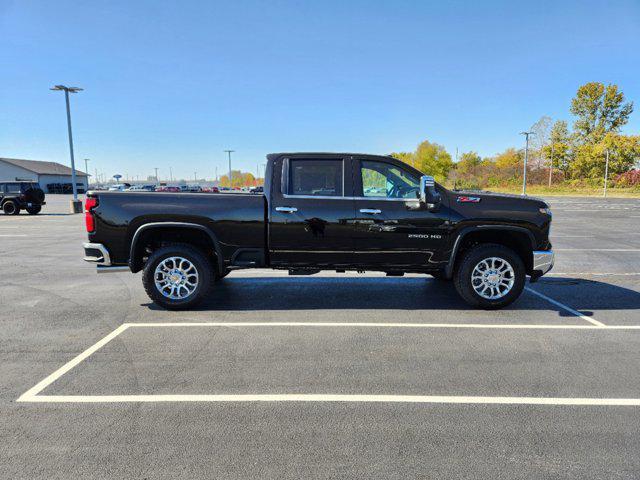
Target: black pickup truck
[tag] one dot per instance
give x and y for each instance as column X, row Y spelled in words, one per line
column 323, row 211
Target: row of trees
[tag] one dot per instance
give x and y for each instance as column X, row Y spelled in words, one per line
column 556, row 153
column 240, row 179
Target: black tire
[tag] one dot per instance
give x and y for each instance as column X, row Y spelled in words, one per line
column 10, row 208
column 473, row 257
column 204, row 269
column 34, row 210
column 440, row 276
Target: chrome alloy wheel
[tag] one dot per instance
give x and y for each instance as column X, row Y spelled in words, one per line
column 176, row 278
column 492, row 278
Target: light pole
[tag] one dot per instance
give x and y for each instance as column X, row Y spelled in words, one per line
column 551, row 165
column 76, row 205
column 230, row 152
column 195, row 176
column 86, row 170
column 170, row 175
column 156, row 169
column 526, row 158
column 606, row 173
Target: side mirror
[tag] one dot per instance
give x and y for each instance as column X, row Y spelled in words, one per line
column 429, row 196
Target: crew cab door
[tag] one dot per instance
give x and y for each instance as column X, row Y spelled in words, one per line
column 311, row 212
column 393, row 229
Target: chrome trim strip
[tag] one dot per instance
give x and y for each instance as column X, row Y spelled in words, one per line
column 350, row 251
column 112, row 269
column 543, row 260
column 105, row 260
column 381, row 199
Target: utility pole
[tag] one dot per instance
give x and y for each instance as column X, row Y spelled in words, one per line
column 606, row 173
column 170, row 175
column 156, row 169
column 230, row 152
column 195, row 176
column 76, row 205
column 86, row 170
column 97, row 179
column 526, row 158
column 551, row 165
column 216, row 173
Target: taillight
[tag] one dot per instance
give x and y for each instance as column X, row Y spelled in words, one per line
column 90, row 222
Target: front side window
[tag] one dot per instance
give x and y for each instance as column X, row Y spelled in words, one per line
column 380, row 179
column 315, row 177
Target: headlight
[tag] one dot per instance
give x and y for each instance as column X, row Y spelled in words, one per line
column 546, row 211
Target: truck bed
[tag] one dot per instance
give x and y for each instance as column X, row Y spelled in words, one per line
column 237, row 220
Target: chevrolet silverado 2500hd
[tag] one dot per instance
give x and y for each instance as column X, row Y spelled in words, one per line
column 323, row 211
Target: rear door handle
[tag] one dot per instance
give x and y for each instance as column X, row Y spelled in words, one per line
column 286, row 209
column 371, row 211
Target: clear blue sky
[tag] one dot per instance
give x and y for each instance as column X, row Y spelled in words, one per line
column 175, row 83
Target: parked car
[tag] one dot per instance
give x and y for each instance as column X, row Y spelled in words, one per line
column 259, row 189
column 119, row 187
column 318, row 213
column 211, row 190
column 168, row 188
column 142, row 188
column 16, row 196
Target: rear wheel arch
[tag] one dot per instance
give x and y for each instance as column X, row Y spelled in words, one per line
column 155, row 234
column 518, row 239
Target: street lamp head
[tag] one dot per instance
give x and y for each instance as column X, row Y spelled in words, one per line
column 65, row 88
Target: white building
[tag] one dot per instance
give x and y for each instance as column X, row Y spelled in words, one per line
column 51, row 176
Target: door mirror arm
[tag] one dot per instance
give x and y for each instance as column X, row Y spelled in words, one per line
column 429, row 197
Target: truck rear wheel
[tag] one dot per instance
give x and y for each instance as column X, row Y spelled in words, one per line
column 490, row 276
column 177, row 277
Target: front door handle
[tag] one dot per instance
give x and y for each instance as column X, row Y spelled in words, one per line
column 286, row 209
column 370, row 211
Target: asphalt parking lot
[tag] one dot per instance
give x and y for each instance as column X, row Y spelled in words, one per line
column 328, row 376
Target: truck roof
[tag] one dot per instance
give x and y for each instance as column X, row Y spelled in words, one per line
column 273, row 156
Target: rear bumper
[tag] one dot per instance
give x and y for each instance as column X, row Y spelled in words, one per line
column 98, row 254
column 542, row 262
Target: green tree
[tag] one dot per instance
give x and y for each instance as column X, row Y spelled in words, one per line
column 590, row 159
column 599, row 110
column 468, row 164
column 433, row 159
column 558, row 151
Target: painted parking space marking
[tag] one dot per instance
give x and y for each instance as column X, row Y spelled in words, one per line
column 32, row 395
column 565, row 307
column 561, row 401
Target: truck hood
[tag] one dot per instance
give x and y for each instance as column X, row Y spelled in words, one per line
column 494, row 197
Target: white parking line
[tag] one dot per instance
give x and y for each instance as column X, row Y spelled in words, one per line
column 596, row 249
column 626, row 402
column 566, row 307
column 31, row 395
column 601, row 274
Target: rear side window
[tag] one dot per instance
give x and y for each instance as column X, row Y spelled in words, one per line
column 316, row 177
column 12, row 188
column 28, row 186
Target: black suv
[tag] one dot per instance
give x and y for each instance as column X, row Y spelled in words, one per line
column 15, row 196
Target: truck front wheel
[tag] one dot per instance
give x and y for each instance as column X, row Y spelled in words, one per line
column 177, row 277
column 490, row 276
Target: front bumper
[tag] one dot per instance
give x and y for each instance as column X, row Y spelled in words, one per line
column 542, row 262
